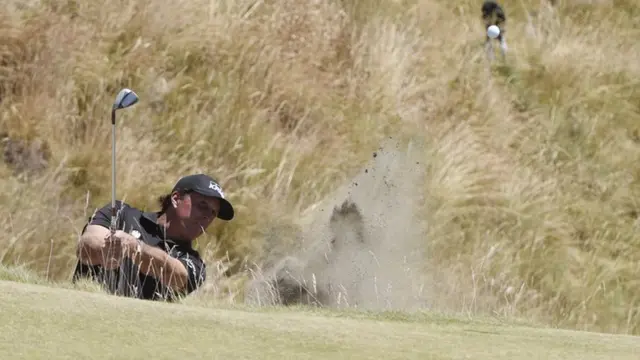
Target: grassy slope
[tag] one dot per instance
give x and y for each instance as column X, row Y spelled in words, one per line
column 41, row 322
column 533, row 176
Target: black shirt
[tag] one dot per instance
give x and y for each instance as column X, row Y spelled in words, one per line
column 127, row 280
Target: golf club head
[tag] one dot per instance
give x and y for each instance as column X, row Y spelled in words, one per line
column 125, row 98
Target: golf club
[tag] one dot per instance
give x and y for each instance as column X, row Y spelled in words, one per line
column 125, row 99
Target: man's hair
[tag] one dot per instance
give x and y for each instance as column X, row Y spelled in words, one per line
column 493, row 13
column 165, row 200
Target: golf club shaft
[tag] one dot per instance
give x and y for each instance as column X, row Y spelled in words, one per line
column 124, row 99
column 113, row 171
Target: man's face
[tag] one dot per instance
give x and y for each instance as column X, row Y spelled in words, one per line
column 194, row 213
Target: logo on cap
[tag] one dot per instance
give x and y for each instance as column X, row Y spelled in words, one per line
column 216, row 187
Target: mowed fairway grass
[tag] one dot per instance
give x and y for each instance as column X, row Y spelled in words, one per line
column 43, row 322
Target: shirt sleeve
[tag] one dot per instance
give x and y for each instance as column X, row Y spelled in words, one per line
column 196, row 270
column 102, row 216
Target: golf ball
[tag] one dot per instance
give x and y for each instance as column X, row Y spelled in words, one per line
column 493, row 31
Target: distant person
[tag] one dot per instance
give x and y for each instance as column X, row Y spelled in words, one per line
column 150, row 256
column 493, row 14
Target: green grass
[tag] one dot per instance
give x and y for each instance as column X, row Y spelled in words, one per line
column 42, row 322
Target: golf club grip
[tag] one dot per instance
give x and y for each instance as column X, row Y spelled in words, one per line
column 113, row 219
column 113, row 171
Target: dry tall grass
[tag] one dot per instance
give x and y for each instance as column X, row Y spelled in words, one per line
column 533, row 169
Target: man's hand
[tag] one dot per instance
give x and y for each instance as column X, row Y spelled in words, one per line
column 117, row 246
column 99, row 246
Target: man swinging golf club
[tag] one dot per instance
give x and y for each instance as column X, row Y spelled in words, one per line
column 149, row 255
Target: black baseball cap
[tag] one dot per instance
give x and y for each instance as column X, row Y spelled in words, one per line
column 207, row 186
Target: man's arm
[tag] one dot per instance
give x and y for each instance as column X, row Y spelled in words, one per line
column 177, row 270
column 155, row 262
column 149, row 259
column 91, row 247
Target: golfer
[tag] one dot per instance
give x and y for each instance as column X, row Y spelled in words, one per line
column 150, row 256
column 493, row 14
